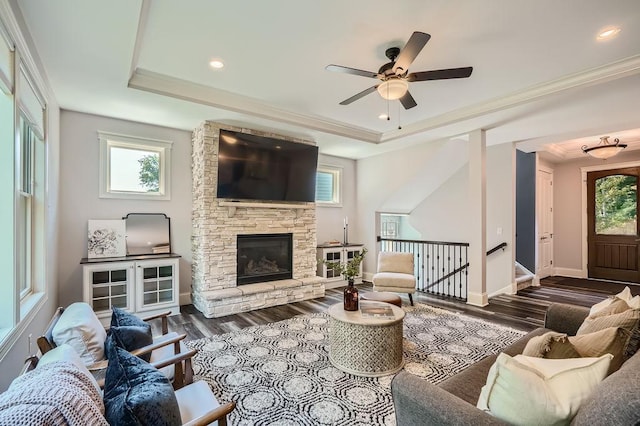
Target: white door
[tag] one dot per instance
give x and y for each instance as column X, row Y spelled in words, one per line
column 544, row 191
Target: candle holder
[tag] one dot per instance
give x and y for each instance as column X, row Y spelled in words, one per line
column 346, row 235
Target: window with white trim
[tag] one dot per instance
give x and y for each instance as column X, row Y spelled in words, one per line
column 328, row 185
column 134, row 168
column 23, row 182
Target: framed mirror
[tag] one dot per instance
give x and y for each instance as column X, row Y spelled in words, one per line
column 148, row 233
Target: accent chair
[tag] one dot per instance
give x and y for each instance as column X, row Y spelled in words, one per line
column 395, row 274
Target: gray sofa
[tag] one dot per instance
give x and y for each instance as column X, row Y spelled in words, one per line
column 616, row 400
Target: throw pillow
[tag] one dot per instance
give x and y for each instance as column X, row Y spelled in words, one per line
column 616, row 306
column 629, row 320
column 550, row 345
column 633, row 302
column 133, row 332
column 79, row 327
column 612, row 340
column 136, row 393
column 130, row 338
column 120, row 317
column 526, row 390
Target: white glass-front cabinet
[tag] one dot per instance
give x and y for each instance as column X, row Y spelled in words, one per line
column 340, row 254
column 144, row 287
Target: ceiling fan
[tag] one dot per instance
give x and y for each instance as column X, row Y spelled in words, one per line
column 395, row 74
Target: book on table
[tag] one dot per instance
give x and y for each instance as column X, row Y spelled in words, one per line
column 376, row 310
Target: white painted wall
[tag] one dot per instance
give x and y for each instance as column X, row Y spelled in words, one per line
column 501, row 213
column 13, row 360
column 567, row 202
column 378, row 178
column 330, row 219
column 79, row 202
column 79, row 196
column 441, row 216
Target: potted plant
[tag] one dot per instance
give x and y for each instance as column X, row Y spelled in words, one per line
column 349, row 270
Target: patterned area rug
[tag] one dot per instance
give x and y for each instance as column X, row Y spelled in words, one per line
column 280, row 373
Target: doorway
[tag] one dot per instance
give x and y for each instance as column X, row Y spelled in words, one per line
column 613, row 236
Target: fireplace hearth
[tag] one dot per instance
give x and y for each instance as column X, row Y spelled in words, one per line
column 264, row 257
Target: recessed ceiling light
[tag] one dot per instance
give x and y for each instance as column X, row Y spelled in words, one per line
column 608, row 33
column 383, row 117
column 216, row 63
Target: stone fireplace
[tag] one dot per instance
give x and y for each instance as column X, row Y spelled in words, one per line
column 264, row 258
column 219, row 228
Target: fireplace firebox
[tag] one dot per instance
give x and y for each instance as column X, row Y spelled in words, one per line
column 264, row 257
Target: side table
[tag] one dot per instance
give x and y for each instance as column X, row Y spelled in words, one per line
column 365, row 346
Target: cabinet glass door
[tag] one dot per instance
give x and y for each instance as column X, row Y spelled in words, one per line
column 109, row 289
column 157, row 284
column 333, row 256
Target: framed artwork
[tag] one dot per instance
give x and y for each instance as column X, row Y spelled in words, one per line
column 106, row 238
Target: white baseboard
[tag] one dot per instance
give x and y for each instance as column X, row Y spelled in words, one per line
column 185, row 299
column 570, row 272
column 509, row 289
column 477, row 299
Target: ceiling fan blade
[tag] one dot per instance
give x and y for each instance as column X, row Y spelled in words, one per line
column 410, row 51
column 407, row 101
column 359, row 95
column 347, row 70
column 440, row 74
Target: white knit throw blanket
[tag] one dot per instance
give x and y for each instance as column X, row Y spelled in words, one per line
column 53, row 394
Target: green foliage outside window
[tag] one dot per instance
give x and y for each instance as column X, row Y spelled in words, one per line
column 150, row 172
column 616, row 201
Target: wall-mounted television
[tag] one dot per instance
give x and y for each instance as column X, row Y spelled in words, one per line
column 252, row 167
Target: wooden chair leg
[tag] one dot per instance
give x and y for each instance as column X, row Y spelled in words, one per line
column 411, row 299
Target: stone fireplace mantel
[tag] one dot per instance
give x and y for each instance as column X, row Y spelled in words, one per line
column 216, row 225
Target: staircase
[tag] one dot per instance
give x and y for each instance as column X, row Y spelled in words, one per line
column 524, row 277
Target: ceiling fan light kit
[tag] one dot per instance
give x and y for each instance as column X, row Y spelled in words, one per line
column 395, row 75
column 393, row 89
column 604, row 149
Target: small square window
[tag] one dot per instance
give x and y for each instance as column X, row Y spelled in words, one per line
column 134, row 168
column 328, row 184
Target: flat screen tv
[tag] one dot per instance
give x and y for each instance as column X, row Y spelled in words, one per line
column 254, row 167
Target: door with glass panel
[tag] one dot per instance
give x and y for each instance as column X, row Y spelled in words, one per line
column 156, row 284
column 612, row 214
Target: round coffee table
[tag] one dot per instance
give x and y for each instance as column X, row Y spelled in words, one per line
column 365, row 346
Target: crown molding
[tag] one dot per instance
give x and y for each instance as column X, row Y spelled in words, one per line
column 598, row 75
column 165, row 85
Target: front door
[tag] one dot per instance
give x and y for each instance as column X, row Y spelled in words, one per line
column 612, row 218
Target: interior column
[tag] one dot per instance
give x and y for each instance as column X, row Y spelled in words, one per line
column 477, row 290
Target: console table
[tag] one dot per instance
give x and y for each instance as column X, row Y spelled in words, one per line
column 365, row 346
column 145, row 284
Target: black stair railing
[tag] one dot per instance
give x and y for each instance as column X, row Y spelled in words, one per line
column 440, row 267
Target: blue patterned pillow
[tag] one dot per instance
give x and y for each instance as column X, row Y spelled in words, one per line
column 120, row 317
column 130, row 338
column 136, row 393
column 132, row 332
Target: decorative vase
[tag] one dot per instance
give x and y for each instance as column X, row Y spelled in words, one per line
column 351, row 297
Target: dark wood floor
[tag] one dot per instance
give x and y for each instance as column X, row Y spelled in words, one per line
column 524, row 311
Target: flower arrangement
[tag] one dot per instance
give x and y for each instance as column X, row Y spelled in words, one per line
column 351, row 268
